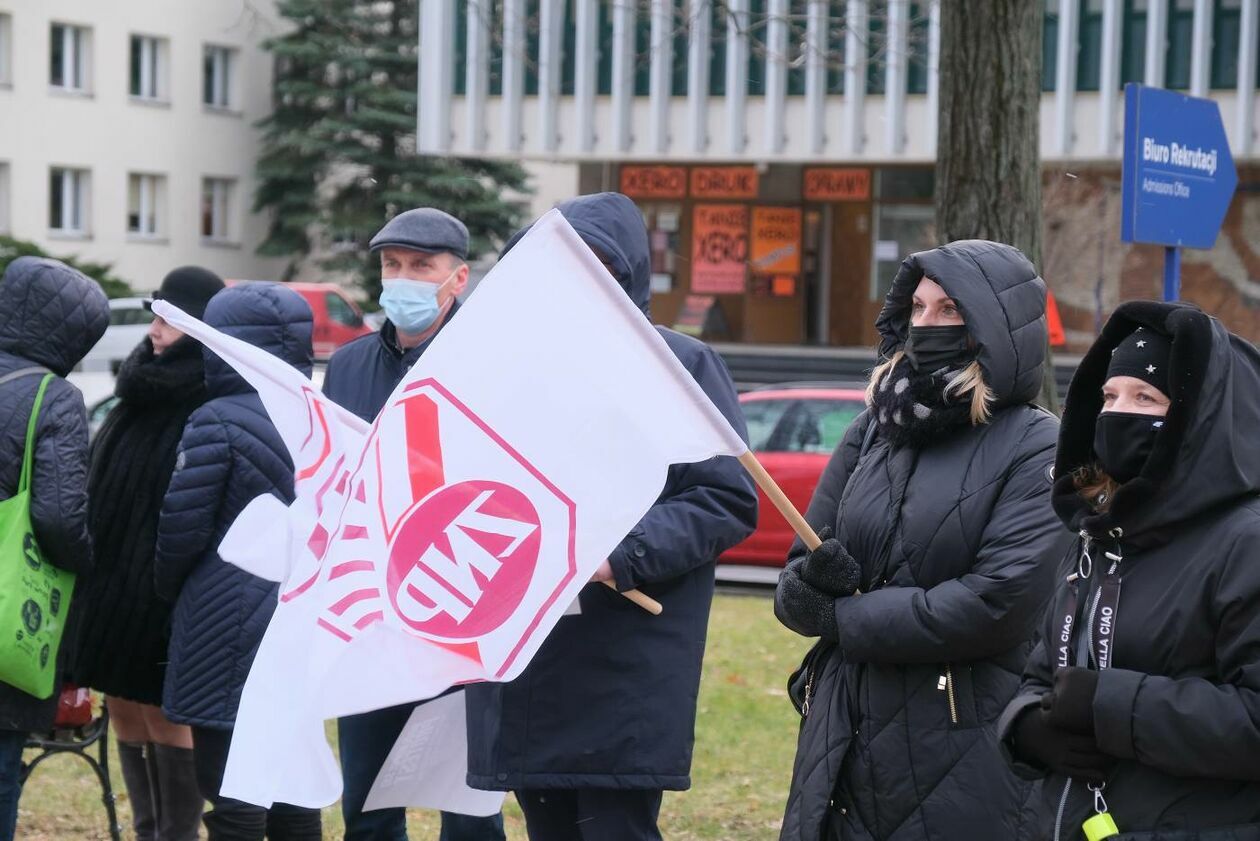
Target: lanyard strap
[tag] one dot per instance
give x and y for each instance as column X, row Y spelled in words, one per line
column 1096, row 643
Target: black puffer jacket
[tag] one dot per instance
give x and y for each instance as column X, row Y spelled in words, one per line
column 230, row 453
column 958, row 545
column 1179, row 706
column 123, row 627
column 50, row 316
column 609, row 700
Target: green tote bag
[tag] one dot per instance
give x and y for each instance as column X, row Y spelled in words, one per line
column 34, row 594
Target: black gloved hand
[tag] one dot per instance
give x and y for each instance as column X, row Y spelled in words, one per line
column 830, row 568
column 1070, row 703
column 1040, row 743
column 802, row 607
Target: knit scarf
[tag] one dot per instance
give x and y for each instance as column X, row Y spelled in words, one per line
column 911, row 408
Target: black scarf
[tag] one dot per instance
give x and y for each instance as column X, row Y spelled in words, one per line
column 175, row 376
column 911, row 409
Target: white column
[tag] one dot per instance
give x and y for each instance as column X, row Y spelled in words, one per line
column 737, row 22
column 1109, row 76
column 816, row 74
column 661, row 74
column 1246, row 80
column 698, row 27
column 477, row 73
column 776, row 75
column 1065, row 78
column 586, row 69
column 934, row 73
column 855, row 37
column 1201, row 48
column 513, row 72
column 895, row 76
column 550, row 61
column 623, row 12
column 1156, row 42
column 433, row 114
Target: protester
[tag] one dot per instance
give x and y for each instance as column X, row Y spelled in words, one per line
column 50, row 316
column 123, row 627
column 1143, row 697
column 939, row 501
column 601, row 721
column 423, row 269
column 229, row 454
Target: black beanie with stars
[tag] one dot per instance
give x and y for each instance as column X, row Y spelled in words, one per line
column 1144, row 354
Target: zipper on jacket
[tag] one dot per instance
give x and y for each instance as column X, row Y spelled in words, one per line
column 946, row 683
column 1058, row 818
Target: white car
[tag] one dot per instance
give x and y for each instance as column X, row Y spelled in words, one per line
column 128, row 325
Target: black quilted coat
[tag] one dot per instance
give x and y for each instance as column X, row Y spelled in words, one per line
column 50, row 316
column 958, row 545
column 230, row 453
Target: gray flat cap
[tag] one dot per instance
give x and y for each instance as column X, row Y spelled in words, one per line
column 424, row 229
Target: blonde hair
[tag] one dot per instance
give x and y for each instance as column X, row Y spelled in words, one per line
column 968, row 383
column 1095, row 486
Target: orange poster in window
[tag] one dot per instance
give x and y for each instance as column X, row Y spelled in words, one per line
column 776, row 240
column 724, row 182
column 837, row 184
column 654, row 182
column 719, row 248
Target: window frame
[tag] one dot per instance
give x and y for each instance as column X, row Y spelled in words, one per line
column 218, row 77
column 74, row 201
column 220, row 191
column 6, row 50
column 157, row 49
column 76, row 56
column 151, row 190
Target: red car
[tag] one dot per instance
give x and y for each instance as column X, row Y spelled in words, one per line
column 338, row 319
column 792, row 429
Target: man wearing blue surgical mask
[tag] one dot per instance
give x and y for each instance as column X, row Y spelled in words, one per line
column 423, row 270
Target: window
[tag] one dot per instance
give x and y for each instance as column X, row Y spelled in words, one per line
column 68, row 200
column 129, row 315
column 901, row 229
column 146, row 205
column 69, row 50
column 762, row 416
column 1180, row 37
column 216, row 205
column 4, row 198
column 1226, row 32
column 340, row 311
column 148, row 67
column 6, row 50
column 218, row 67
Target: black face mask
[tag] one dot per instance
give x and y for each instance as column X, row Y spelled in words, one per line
column 1123, row 442
column 932, row 348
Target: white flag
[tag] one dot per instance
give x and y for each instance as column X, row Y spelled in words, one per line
column 441, row 544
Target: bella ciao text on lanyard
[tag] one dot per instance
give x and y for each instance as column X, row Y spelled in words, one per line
column 1098, row 608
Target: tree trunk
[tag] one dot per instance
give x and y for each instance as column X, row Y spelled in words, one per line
column 988, row 171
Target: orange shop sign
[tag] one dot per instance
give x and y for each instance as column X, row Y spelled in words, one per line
column 724, row 182
column 776, row 240
column 654, row 182
column 837, row 184
column 719, row 248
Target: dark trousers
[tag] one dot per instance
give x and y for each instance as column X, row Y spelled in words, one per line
column 365, row 741
column 11, row 744
column 232, row 820
column 590, row 814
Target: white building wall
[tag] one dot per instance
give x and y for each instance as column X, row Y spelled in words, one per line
column 107, row 132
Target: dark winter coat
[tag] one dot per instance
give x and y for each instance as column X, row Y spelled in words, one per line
column 958, row 545
column 609, row 700
column 1179, row 706
column 230, row 453
column 50, row 316
column 123, row 627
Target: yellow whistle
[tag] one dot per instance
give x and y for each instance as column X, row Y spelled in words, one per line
column 1100, row 826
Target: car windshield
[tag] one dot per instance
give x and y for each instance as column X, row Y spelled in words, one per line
column 814, row 425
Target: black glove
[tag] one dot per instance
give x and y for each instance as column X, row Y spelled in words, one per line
column 802, row 607
column 1070, row 704
column 830, row 568
column 1040, row 743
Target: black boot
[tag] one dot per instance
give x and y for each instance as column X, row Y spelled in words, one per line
column 180, row 806
column 135, row 772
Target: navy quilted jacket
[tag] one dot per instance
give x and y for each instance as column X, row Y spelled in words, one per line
column 229, row 454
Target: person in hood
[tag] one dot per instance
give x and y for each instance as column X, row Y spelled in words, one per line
column 423, row 255
column 939, row 547
column 50, row 317
column 1143, row 698
column 601, row 721
column 229, row 454
column 123, row 627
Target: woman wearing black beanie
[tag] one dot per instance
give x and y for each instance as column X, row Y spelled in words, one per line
column 1141, row 705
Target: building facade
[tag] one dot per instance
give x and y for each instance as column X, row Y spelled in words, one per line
column 127, row 132
column 782, row 150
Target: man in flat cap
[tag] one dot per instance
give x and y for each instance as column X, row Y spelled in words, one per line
column 423, row 269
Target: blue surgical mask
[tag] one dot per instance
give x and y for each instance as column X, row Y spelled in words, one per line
column 411, row 305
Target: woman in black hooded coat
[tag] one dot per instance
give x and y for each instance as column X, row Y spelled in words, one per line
column 123, row 627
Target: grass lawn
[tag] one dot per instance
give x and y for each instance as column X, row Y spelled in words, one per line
column 745, row 738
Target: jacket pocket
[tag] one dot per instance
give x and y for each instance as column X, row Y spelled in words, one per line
column 957, row 688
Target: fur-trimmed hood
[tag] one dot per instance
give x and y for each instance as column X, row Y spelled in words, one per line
column 1003, row 303
column 1206, row 453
